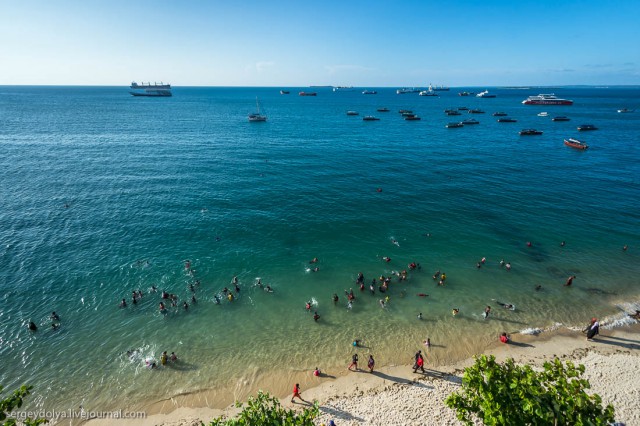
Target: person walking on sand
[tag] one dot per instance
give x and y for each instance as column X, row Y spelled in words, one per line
column 354, row 362
column 296, row 393
column 569, row 281
column 419, row 362
column 371, row 363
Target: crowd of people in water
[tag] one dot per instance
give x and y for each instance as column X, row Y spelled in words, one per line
column 379, row 288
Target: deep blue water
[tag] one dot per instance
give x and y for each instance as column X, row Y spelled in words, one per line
column 103, row 193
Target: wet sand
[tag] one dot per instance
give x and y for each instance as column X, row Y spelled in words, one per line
column 394, row 395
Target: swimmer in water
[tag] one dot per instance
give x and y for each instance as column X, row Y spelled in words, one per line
column 216, row 299
column 32, row 326
column 316, row 269
column 501, row 262
column 372, row 287
column 234, row 280
column 350, row 305
column 455, row 311
column 508, row 266
column 335, row 298
column 420, row 316
column 386, row 259
column 624, row 247
column 185, row 305
column 562, row 244
column 316, row 317
column 173, row 357
column 506, row 305
column 307, row 306
column 193, row 299
column 123, row 304
column 483, row 260
column 162, row 308
column 569, row 281
column 54, row 316
column 314, row 260
column 230, row 297
column 538, row 287
column 382, row 305
column 487, row 311
column 268, row 289
column 436, row 275
column 153, row 289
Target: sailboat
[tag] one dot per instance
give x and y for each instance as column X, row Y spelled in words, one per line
column 257, row 116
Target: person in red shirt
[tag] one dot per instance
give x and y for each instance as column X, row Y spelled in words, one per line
column 296, row 392
column 504, row 338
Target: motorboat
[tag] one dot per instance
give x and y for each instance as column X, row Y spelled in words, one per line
column 383, row 110
column 452, row 112
column 454, row 125
column 404, row 91
column 507, row 120
column 427, row 93
column 412, row 117
column 575, row 143
column 405, row 111
column 466, row 93
column 353, row 113
column 284, row 92
column 499, row 114
column 587, row 127
column 307, row 94
column 370, row 118
column 407, row 114
column 546, row 99
column 470, row 121
column 369, row 92
column 560, row 118
column 343, row 89
column 543, row 114
column 626, row 110
column 476, row 111
column 463, row 109
column 485, row 94
column 530, row 132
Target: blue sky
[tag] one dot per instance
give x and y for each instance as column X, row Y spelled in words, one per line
column 301, row 43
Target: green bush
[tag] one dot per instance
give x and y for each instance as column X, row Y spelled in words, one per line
column 508, row 394
column 265, row 410
column 8, row 404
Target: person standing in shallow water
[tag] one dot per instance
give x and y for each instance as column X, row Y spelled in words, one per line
column 354, row 362
column 569, row 281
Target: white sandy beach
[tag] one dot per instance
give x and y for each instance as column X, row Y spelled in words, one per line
column 394, row 395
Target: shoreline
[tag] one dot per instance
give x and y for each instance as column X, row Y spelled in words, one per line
column 387, row 395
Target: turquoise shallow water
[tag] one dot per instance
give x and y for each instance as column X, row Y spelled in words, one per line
column 104, row 193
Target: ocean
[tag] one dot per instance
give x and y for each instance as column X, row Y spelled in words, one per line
column 104, row 193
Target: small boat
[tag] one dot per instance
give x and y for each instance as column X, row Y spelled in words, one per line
column 429, row 92
column 463, row 109
column 257, row 116
column 383, row 109
column 476, row 111
column 485, row 94
column 412, row 117
column 284, row 92
column 454, row 125
column 407, row 114
column 343, row 88
column 587, row 127
column 499, row 114
column 507, row 120
column 466, row 93
column 307, row 94
column 452, row 112
column 405, row 111
column 369, row 92
column 439, row 88
column 575, row 143
column 470, row 121
column 626, row 110
column 353, row 113
column 560, row 118
column 543, row 114
column 530, row 132
column 370, row 118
